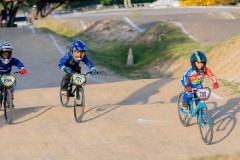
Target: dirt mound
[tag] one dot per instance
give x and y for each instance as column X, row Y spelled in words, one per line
column 111, row 30
column 224, row 59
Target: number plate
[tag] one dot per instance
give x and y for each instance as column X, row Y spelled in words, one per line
column 203, row 93
column 8, row 80
column 78, row 79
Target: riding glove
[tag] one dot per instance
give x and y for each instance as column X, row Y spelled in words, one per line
column 93, row 70
column 67, row 70
column 188, row 88
column 215, row 85
column 23, row 71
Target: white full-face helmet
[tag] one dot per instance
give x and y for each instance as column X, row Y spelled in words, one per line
column 5, row 47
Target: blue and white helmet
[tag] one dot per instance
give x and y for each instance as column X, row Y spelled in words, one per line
column 79, row 46
column 6, row 47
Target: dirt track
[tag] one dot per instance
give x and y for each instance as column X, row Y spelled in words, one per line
column 123, row 120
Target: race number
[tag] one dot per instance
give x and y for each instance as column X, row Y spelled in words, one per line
column 203, row 93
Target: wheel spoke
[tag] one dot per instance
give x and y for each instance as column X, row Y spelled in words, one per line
column 183, row 114
column 64, row 99
column 205, row 126
column 8, row 106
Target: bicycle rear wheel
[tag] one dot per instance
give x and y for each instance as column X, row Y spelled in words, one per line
column 8, row 106
column 205, row 126
column 183, row 113
column 79, row 104
column 64, row 98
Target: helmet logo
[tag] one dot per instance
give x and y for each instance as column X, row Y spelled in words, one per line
column 197, row 56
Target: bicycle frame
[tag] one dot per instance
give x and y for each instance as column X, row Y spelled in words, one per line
column 198, row 111
column 75, row 88
column 200, row 106
column 8, row 81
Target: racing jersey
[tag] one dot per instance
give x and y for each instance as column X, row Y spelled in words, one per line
column 7, row 68
column 193, row 79
column 68, row 61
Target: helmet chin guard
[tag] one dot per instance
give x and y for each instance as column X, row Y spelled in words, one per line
column 5, row 61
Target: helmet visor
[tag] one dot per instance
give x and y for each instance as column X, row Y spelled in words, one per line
column 78, row 54
column 6, row 55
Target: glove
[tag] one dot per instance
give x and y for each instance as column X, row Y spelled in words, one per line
column 93, row 70
column 188, row 88
column 67, row 70
column 23, row 71
column 215, row 85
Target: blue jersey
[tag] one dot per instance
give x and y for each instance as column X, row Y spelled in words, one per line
column 68, row 61
column 7, row 68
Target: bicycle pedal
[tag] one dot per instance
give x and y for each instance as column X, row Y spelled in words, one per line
column 64, row 93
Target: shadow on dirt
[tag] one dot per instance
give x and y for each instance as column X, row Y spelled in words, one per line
column 224, row 119
column 22, row 115
column 100, row 111
column 140, row 97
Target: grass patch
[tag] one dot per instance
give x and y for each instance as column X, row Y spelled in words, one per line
column 234, row 86
column 56, row 26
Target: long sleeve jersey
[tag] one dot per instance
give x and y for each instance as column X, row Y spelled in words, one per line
column 7, row 68
column 68, row 61
column 193, row 79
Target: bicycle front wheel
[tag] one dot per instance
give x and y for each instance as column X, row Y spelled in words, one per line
column 183, row 113
column 64, row 98
column 79, row 104
column 8, row 106
column 205, row 126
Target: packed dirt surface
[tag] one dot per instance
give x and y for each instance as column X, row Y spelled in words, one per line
column 123, row 119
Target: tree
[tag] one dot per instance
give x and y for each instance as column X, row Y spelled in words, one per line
column 44, row 7
column 11, row 6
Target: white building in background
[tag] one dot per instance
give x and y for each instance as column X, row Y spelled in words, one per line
column 164, row 3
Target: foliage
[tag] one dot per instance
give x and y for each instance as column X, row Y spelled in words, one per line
column 43, row 7
column 106, row 2
column 235, row 86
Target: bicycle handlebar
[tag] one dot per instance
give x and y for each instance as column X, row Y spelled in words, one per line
column 81, row 73
column 15, row 72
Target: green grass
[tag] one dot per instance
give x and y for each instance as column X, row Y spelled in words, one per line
column 57, row 27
